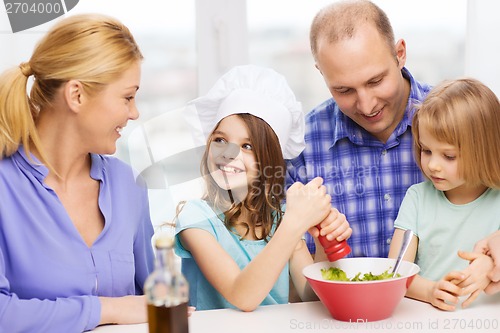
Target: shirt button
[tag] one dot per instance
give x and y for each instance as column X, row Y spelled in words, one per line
column 387, row 197
column 384, row 152
column 388, row 241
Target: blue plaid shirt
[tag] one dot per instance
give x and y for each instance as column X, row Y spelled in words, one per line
column 366, row 178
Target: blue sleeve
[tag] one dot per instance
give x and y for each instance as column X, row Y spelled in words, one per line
column 143, row 249
column 72, row 314
column 195, row 214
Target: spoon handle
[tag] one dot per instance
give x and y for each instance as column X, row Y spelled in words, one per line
column 404, row 246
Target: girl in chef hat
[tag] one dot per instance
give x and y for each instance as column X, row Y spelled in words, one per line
column 238, row 244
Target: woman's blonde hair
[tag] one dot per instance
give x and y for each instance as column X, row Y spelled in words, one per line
column 466, row 114
column 93, row 49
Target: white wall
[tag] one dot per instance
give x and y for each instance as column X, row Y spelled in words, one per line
column 482, row 52
column 222, row 39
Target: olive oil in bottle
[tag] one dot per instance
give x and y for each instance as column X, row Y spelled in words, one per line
column 167, row 292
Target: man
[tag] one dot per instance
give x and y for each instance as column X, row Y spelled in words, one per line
column 360, row 140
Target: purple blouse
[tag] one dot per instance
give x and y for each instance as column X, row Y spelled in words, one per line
column 50, row 279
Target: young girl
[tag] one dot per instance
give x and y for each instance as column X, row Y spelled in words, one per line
column 237, row 243
column 457, row 145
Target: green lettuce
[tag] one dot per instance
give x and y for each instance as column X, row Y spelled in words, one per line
column 336, row 274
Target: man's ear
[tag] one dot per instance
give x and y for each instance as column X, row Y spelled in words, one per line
column 401, row 53
column 73, row 94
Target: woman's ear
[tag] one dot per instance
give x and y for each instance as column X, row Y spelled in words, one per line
column 73, row 95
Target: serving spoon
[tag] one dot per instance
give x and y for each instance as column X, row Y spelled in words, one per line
column 404, row 246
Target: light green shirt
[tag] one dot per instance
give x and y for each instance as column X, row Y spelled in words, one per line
column 444, row 228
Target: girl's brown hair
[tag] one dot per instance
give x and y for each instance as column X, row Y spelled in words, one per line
column 464, row 113
column 93, row 49
column 265, row 193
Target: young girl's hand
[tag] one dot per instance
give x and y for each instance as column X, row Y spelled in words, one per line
column 444, row 293
column 309, row 204
column 334, row 226
column 476, row 275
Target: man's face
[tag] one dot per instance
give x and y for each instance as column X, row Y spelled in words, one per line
column 364, row 77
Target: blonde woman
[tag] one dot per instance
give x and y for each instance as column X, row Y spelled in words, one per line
column 75, row 228
column 457, row 144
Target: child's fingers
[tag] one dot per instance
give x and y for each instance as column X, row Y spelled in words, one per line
column 190, row 310
column 315, row 183
column 345, row 235
column 471, row 298
column 444, row 306
column 444, row 300
column 468, row 255
column 334, row 225
column 455, row 278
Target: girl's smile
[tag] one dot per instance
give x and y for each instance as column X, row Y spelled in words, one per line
column 232, row 162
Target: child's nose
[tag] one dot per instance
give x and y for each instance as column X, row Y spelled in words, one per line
column 433, row 164
column 231, row 151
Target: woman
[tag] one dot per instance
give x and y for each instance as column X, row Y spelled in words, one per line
column 75, row 243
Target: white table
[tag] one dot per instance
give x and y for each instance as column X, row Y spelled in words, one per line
column 410, row 316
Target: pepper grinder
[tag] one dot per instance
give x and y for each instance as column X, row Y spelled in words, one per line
column 334, row 249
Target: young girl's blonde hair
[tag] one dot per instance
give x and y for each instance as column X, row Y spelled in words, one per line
column 93, row 49
column 466, row 114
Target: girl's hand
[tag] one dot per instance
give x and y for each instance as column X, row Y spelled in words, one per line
column 191, row 309
column 309, row 204
column 334, row 226
column 476, row 275
column 444, row 293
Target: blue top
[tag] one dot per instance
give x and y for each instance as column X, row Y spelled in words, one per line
column 198, row 214
column 50, row 279
column 366, row 178
column 443, row 228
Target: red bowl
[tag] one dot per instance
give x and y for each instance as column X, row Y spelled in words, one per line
column 365, row 300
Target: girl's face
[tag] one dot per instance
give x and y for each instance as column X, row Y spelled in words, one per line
column 108, row 112
column 440, row 162
column 232, row 163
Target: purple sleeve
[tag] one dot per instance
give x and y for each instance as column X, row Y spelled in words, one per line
column 72, row 314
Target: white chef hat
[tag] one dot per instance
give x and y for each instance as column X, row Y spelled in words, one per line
column 259, row 91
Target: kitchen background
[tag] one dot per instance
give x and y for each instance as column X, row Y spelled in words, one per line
column 188, row 44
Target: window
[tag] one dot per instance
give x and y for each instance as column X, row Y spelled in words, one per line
column 434, row 32
column 277, row 37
